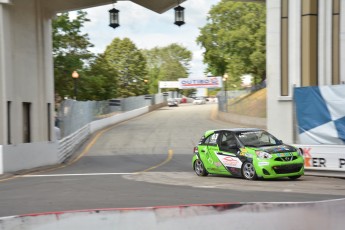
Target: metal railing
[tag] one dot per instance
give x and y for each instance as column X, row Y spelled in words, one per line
column 73, row 115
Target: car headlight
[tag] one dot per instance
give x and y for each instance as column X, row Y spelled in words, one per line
column 263, row 155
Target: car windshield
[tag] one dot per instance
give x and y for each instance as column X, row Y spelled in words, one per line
column 257, row 138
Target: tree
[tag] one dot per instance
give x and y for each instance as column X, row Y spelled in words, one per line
column 234, row 41
column 100, row 82
column 70, row 51
column 167, row 64
column 123, row 68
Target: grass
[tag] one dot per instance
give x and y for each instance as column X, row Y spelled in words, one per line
column 253, row 104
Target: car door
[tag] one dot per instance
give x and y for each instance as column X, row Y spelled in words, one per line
column 207, row 152
column 229, row 153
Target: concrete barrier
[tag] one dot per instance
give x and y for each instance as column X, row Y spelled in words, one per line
column 301, row 215
column 100, row 124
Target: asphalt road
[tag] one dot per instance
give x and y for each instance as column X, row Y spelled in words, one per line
column 146, row 162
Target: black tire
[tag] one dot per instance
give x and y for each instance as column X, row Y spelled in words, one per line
column 294, row 177
column 248, row 171
column 199, row 168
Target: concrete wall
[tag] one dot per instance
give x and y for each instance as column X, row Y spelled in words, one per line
column 269, row 216
column 26, row 76
column 28, row 156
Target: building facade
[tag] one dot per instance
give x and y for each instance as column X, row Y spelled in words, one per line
column 305, row 47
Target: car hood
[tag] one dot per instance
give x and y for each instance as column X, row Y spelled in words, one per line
column 278, row 149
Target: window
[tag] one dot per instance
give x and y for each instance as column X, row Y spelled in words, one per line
column 309, row 43
column 228, row 141
column 49, row 121
column 284, row 85
column 9, row 140
column 212, row 139
column 26, row 122
column 336, row 43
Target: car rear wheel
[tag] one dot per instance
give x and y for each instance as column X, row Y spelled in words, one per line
column 248, row 171
column 294, row 177
column 199, row 168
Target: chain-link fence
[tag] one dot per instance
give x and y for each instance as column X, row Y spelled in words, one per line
column 73, row 115
column 225, row 96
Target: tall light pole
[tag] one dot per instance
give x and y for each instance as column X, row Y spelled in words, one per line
column 75, row 76
column 225, row 79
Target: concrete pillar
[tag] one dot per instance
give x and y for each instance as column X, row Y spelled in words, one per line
column 26, row 85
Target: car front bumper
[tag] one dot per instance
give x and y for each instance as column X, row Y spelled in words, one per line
column 273, row 169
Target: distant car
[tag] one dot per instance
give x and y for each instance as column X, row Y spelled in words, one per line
column 199, row 101
column 246, row 152
column 183, row 100
column 172, row 102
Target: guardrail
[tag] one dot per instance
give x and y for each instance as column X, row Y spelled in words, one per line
column 69, row 144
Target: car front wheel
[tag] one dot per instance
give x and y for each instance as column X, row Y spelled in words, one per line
column 199, row 168
column 248, row 171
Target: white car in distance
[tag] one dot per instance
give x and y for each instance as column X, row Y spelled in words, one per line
column 199, row 101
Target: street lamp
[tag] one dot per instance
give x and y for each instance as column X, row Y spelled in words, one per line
column 114, row 17
column 225, row 78
column 75, row 76
column 179, row 15
column 146, row 85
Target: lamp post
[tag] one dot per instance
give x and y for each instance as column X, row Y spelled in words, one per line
column 146, row 85
column 75, row 76
column 225, row 78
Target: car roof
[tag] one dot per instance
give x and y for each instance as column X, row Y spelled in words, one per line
column 236, row 130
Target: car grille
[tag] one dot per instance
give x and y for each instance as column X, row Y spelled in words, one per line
column 288, row 158
column 287, row 168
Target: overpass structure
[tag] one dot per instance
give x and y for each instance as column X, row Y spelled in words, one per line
column 305, row 47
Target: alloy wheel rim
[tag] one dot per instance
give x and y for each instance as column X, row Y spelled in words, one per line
column 249, row 170
column 198, row 167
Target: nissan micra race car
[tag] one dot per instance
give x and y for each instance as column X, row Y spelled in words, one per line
column 246, row 152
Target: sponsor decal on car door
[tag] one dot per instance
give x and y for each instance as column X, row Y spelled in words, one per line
column 216, row 164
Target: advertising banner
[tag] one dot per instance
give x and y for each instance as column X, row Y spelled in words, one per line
column 206, row 82
column 320, row 112
column 324, row 157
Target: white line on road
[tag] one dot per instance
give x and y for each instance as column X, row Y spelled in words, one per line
column 81, row 174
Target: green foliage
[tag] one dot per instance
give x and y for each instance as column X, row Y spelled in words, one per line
column 70, row 51
column 99, row 83
column 167, row 64
column 234, row 41
column 122, row 70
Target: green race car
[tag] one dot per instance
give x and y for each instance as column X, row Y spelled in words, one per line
column 246, row 152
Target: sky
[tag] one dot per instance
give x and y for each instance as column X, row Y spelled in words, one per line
column 148, row 29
